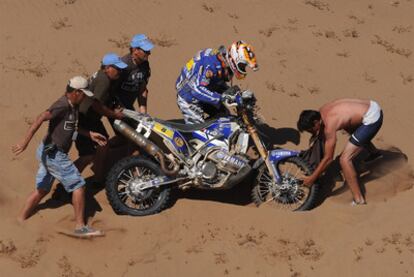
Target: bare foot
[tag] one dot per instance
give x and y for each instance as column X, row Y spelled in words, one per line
column 20, row 220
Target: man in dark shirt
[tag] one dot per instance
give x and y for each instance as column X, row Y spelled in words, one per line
column 131, row 87
column 91, row 110
column 54, row 162
column 134, row 78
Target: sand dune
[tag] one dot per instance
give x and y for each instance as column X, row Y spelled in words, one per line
column 310, row 52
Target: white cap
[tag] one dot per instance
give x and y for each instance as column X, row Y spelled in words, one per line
column 79, row 82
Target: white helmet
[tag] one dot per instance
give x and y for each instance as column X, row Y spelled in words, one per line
column 240, row 55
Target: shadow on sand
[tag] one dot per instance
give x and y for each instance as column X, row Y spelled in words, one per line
column 392, row 160
column 60, row 198
column 240, row 194
column 278, row 136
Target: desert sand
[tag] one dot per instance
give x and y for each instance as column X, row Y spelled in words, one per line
column 309, row 51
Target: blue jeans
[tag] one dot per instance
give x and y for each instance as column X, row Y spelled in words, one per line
column 57, row 165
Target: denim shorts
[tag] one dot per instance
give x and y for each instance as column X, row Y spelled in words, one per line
column 57, row 165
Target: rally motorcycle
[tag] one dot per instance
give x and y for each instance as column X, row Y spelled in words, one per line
column 216, row 154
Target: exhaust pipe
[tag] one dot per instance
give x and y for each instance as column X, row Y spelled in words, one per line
column 147, row 145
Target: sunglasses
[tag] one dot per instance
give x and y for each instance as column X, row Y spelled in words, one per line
column 117, row 68
column 146, row 52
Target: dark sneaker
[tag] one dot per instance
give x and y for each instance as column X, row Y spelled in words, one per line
column 373, row 157
column 88, row 232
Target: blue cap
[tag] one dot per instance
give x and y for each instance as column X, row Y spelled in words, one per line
column 113, row 59
column 141, row 41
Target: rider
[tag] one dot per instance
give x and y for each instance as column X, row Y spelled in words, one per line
column 204, row 78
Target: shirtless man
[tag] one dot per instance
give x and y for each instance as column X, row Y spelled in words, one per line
column 362, row 119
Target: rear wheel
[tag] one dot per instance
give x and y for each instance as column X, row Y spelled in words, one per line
column 290, row 194
column 124, row 183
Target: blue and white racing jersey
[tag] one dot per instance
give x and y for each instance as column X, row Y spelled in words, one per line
column 201, row 77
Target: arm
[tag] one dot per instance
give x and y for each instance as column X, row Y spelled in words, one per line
column 20, row 147
column 142, row 100
column 104, row 110
column 96, row 137
column 101, row 90
column 330, row 142
column 200, row 90
column 143, row 94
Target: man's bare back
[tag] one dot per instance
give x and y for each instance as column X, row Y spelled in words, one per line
column 344, row 114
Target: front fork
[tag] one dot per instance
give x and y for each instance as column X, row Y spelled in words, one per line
column 263, row 152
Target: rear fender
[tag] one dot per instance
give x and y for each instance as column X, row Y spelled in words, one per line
column 171, row 137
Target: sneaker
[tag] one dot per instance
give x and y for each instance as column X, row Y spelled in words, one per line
column 354, row 203
column 373, row 157
column 88, row 232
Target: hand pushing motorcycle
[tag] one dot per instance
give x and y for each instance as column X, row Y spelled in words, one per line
column 216, row 154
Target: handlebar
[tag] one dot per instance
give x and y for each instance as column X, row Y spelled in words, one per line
column 235, row 94
column 235, row 99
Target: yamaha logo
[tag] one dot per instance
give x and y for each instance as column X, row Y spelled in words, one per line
column 179, row 142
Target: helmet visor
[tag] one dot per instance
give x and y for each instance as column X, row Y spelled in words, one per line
column 241, row 67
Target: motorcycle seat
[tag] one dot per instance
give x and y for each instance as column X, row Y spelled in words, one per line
column 180, row 125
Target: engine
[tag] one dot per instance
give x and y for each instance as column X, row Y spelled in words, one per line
column 218, row 165
column 227, row 162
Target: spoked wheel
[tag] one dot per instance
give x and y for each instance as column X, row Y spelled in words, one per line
column 125, row 187
column 290, row 194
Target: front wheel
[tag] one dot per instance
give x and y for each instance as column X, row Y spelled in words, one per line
column 124, row 183
column 289, row 194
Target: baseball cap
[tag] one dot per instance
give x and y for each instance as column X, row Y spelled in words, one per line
column 79, row 82
column 141, row 41
column 113, row 59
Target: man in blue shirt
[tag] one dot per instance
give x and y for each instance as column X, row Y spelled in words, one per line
column 205, row 77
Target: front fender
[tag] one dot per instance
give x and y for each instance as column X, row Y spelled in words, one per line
column 281, row 154
column 277, row 155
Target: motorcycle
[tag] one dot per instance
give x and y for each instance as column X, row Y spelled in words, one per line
column 217, row 154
